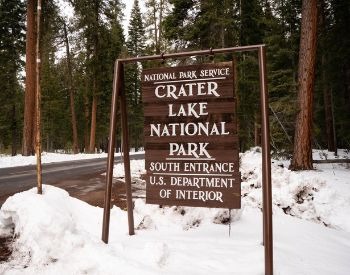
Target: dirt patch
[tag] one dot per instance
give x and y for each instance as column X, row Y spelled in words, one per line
column 5, row 248
column 91, row 189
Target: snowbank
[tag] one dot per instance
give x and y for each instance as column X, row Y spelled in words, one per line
column 57, row 234
column 321, row 195
column 19, row 160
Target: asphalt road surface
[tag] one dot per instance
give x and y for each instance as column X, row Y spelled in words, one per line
column 82, row 179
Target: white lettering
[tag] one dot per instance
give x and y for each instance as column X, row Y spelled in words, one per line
column 189, row 149
column 186, row 90
column 189, row 129
column 189, row 109
column 199, row 195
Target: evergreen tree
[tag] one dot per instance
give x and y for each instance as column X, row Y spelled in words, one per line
column 302, row 153
column 99, row 36
column 12, row 14
column 135, row 47
column 177, row 25
column 282, row 26
column 136, row 31
column 202, row 24
column 251, row 33
column 75, row 145
column 54, row 95
column 29, row 103
column 336, row 49
column 154, row 25
column 96, row 40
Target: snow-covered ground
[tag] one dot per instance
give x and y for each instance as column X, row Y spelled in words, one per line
column 58, row 234
column 19, row 160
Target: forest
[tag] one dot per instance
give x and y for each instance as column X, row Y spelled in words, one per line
column 308, row 68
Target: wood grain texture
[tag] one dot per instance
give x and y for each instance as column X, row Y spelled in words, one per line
column 196, row 115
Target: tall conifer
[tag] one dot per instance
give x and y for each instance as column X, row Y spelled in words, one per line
column 136, row 46
column 12, row 14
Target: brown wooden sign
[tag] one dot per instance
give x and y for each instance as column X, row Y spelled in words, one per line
column 194, row 123
column 191, row 141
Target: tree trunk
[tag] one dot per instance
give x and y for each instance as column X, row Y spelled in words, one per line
column 29, row 99
column 71, row 93
column 93, row 125
column 87, row 106
column 327, row 93
column 156, row 42
column 94, row 85
column 160, row 25
column 38, row 104
column 329, row 117
column 86, row 117
column 302, row 155
column 14, row 130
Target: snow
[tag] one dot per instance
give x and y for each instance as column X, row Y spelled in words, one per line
column 19, row 160
column 57, row 234
column 321, row 195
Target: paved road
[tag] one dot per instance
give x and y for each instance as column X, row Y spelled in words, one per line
column 81, row 178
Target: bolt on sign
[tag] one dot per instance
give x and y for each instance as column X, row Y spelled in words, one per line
column 191, row 141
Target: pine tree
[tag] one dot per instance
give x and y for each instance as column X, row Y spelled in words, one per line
column 202, row 24
column 251, row 33
column 99, row 36
column 75, row 144
column 156, row 11
column 136, row 47
column 29, row 103
column 302, row 154
column 55, row 107
column 177, row 31
column 337, row 66
column 12, row 14
column 281, row 35
column 136, row 31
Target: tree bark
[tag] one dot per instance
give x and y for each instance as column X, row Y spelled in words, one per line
column 329, row 117
column 87, row 105
column 302, row 155
column 86, row 117
column 93, row 125
column 38, row 104
column 160, row 26
column 327, row 92
column 71, row 93
column 29, row 99
column 95, row 85
column 156, row 42
column 14, row 130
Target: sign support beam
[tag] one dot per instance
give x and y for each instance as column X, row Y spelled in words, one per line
column 125, row 135
column 266, row 163
column 117, row 86
column 266, row 158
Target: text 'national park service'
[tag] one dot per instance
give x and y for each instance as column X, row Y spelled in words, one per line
column 190, row 132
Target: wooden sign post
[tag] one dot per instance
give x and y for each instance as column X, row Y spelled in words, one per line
column 190, row 138
column 191, row 141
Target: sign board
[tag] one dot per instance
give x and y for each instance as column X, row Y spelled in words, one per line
column 191, row 141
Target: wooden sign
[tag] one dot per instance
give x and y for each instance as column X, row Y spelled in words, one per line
column 191, row 141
